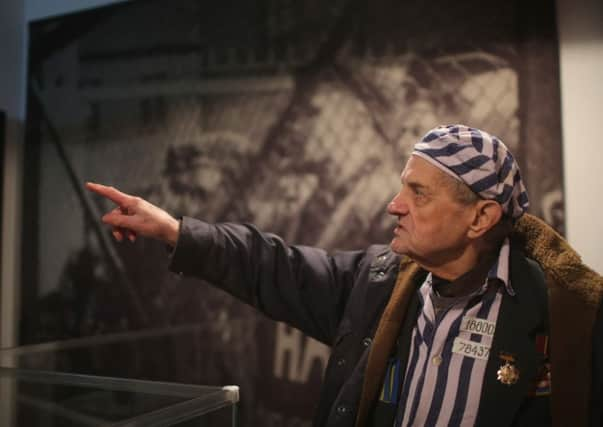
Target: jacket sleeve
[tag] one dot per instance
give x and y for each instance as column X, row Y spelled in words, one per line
column 302, row 286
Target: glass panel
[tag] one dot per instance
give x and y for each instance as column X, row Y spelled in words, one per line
column 42, row 398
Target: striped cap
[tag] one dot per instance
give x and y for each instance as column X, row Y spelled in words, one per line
column 478, row 159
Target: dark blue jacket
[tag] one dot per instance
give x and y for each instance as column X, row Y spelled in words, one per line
column 340, row 300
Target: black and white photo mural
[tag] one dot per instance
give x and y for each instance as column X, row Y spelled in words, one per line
column 297, row 116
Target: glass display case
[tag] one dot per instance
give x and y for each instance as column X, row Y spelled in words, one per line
column 39, row 398
column 151, row 377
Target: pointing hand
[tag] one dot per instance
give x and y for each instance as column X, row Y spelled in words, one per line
column 135, row 216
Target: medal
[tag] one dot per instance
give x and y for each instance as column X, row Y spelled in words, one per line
column 508, row 373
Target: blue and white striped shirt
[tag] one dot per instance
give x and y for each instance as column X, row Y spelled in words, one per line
column 448, row 354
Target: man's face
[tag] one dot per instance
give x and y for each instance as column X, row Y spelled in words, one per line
column 432, row 226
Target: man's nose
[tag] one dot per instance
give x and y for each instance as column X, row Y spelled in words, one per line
column 397, row 206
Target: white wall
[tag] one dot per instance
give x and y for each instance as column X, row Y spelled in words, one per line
column 581, row 58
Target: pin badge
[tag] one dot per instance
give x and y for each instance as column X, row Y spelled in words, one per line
column 508, row 373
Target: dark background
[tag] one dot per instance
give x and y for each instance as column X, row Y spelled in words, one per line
column 2, row 138
column 296, row 116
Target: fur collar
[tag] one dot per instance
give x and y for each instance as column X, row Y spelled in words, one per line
column 560, row 262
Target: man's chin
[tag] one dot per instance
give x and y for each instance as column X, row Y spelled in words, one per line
column 398, row 247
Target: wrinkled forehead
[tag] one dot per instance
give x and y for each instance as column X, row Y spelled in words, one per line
column 418, row 170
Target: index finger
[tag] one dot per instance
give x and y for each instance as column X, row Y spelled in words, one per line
column 110, row 193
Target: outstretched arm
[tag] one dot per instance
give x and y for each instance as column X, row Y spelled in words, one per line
column 303, row 286
column 135, row 216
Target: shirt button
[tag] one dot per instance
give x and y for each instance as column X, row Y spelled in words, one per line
column 382, row 258
column 437, row 360
column 342, row 410
column 367, row 341
column 341, row 361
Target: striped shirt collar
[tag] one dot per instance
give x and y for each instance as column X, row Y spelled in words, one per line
column 500, row 268
column 499, row 272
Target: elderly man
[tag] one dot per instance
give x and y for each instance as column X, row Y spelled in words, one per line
column 475, row 314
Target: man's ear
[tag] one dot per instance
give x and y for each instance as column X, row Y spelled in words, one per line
column 487, row 214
